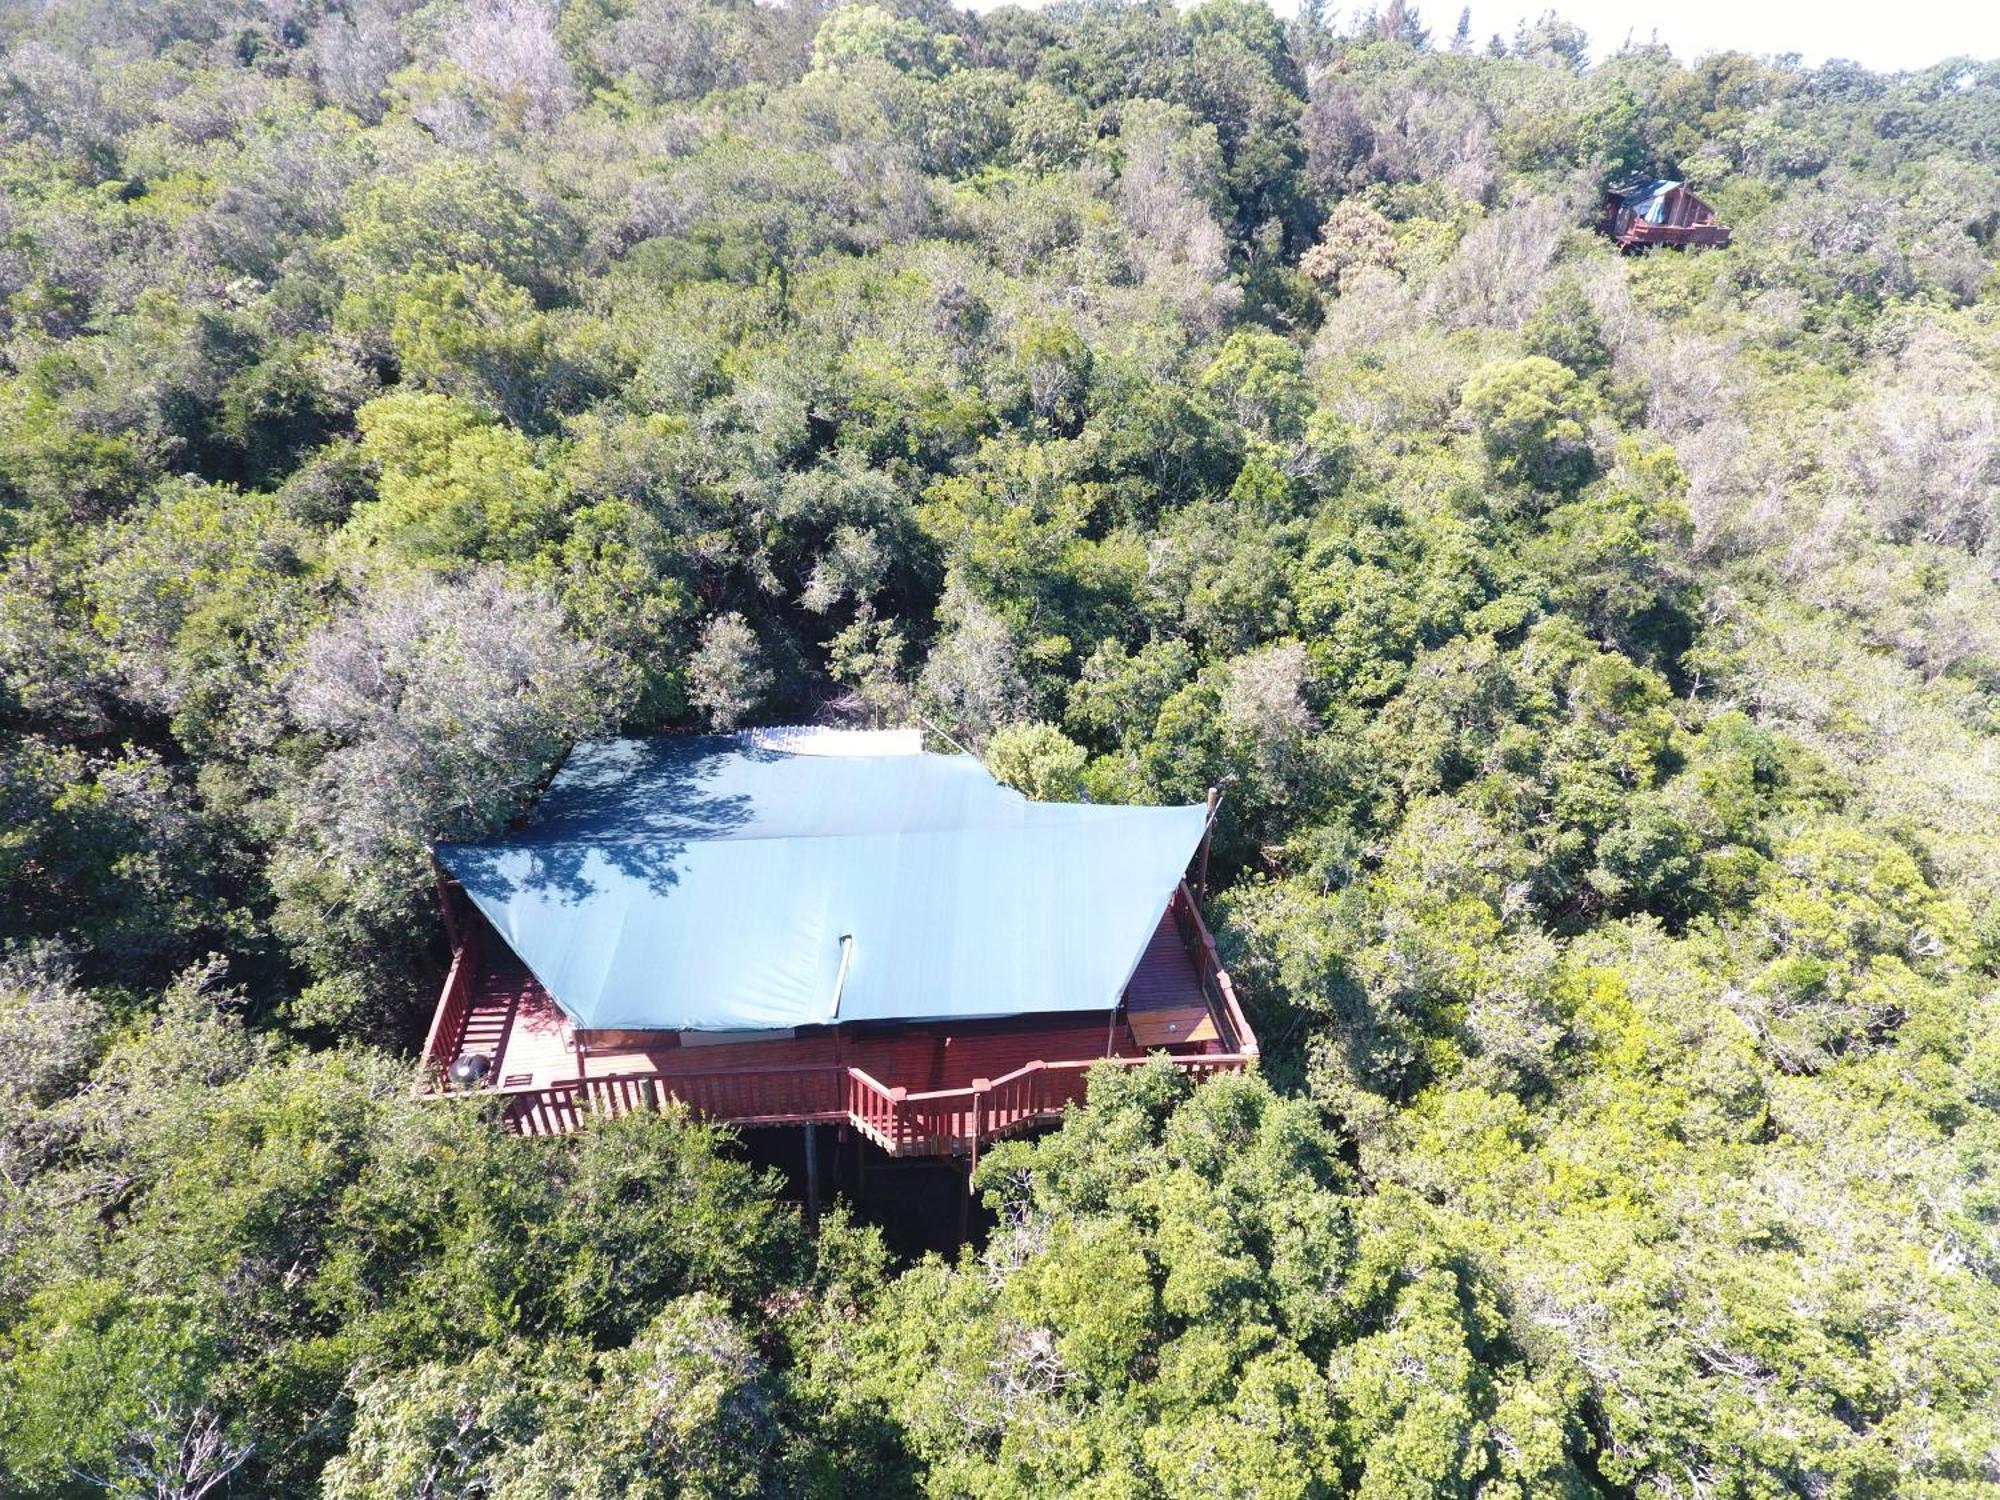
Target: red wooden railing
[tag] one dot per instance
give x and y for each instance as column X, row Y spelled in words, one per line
column 875, row 1109
column 1216, row 987
column 941, row 1123
column 454, row 1008
column 746, row 1096
column 1642, row 233
column 1689, row 222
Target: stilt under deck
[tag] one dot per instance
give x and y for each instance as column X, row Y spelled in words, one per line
column 915, row 1089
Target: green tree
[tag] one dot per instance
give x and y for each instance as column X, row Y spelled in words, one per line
column 454, row 486
column 1565, row 328
column 1038, row 759
column 1532, row 414
column 868, row 33
column 1260, row 378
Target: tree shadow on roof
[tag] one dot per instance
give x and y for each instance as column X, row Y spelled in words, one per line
column 635, row 804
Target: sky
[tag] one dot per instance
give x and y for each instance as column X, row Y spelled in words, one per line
column 1887, row 35
column 1883, row 34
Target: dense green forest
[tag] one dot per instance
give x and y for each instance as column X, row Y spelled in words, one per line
column 1600, row 656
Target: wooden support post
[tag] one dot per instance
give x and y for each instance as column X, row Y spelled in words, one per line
column 812, row 1177
column 451, row 932
column 979, row 1088
column 965, row 1210
column 1207, row 833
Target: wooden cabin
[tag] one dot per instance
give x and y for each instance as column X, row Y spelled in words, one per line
column 821, row 927
column 1657, row 212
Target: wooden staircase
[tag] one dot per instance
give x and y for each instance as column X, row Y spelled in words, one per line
column 495, row 1001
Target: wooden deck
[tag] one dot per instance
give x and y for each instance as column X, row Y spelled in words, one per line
column 922, row 1088
column 1641, row 235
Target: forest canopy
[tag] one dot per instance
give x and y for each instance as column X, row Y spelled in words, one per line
column 1599, row 657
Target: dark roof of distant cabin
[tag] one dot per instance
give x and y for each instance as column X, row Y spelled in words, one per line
column 1645, row 189
column 1647, row 197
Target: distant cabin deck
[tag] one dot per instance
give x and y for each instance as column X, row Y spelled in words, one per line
column 913, row 1088
column 1640, row 235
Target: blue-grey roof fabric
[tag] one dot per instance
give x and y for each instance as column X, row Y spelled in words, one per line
column 1647, row 198
column 706, row 884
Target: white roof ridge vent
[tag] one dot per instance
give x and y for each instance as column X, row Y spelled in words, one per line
column 816, row 739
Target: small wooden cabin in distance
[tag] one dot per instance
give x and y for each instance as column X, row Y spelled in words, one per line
column 808, row 927
column 1654, row 211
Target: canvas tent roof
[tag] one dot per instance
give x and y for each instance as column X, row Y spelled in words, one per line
column 1647, row 198
column 707, row 884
